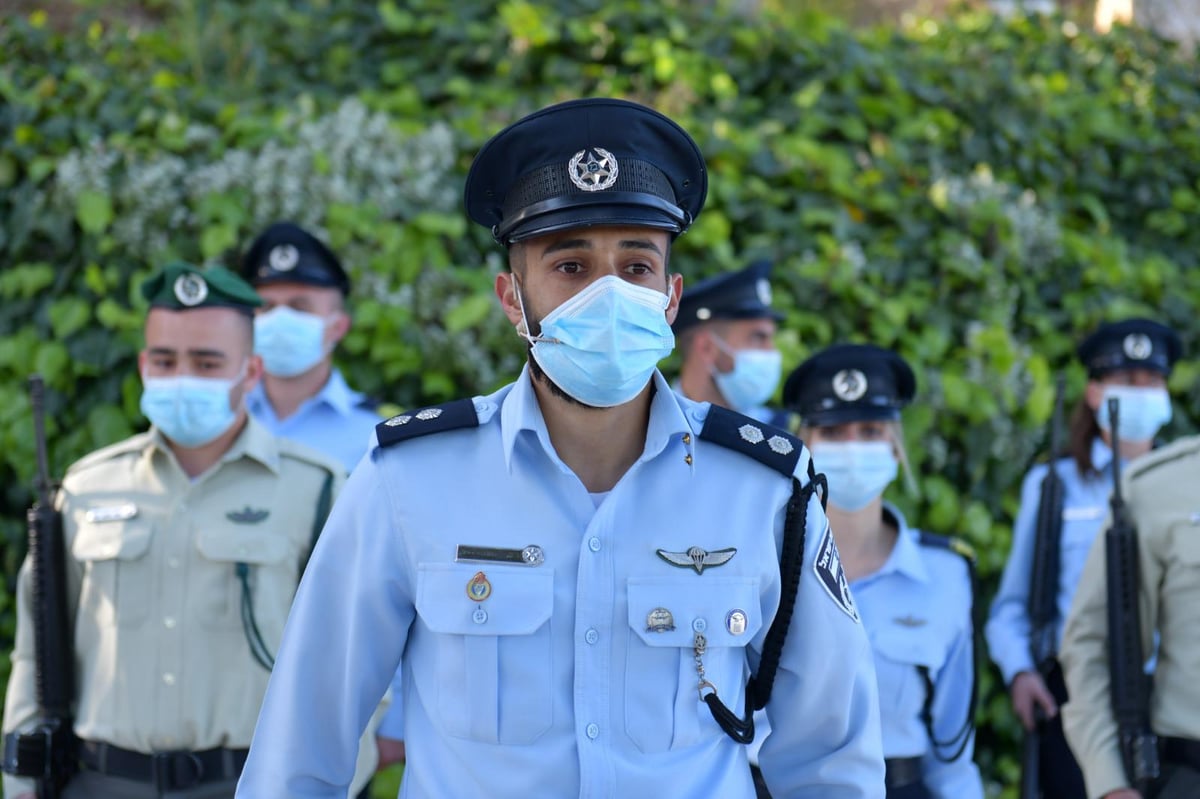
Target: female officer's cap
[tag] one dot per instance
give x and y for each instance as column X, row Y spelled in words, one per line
column 850, row 383
column 1130, row 344
column 584, row 163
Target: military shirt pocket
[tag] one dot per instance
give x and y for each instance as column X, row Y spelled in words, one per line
column 898, row 654
column 117, row 575
column 494, row 658
column 216, row 590
column 663, row 708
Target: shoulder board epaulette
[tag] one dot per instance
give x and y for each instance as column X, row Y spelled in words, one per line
column 948, row 542
column 1162, row 456
column 132, row 444
column 423, row 421
column 306, row 454
column 768, row 445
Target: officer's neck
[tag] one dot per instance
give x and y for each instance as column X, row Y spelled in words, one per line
column 598, row 444
column 1129, row 449
column 195, row 461
column 697, row 384
column 286, row 394
column 864, row 538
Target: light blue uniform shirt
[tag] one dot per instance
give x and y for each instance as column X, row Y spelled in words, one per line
column 1085, row 507
column 554, row 685
column 335, row 421
column 917, row 611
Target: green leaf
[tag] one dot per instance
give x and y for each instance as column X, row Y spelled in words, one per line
column 469, row 313
column 68, row 315
column 93, row 211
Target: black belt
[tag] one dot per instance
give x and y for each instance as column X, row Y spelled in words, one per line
column 1181, row 750
column 902, row 771
column 168, row 771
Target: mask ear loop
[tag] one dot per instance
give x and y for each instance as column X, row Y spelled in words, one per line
column 523, row 328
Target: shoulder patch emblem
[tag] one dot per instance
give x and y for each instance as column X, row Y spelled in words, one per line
column 697, row 558
column 828, row 567
column 248, row 515
column 436, row 419
column 766, row 444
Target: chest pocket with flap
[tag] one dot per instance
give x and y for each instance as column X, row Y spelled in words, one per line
column 117, row 575
column 215, row 590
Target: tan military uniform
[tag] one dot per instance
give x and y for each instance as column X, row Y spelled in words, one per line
column 1161, row 492
column 162, row 659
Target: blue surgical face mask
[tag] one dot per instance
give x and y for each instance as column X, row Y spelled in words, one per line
column 752, row 380
column 602, row 345
column 190, row 411
column 857, row 471
column 1141, row 411
column 290, row 342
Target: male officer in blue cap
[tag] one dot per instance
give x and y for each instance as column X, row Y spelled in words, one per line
column 580, row 570
column 726, row 335
column 302, row 395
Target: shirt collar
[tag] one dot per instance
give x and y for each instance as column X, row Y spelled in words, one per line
column 906, row 554
column 1101, row 454
column 254, row 442
column 336, row 393
column 520, row 411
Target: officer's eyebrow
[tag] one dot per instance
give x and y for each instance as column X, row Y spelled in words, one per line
column 196, row 353
column 567, row 244
column 640, row 244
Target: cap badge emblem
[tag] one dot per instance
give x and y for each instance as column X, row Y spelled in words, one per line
column 660, row 620
column 1138, row 346
column 763, row 288
column 593, row 170
column 478, row 587
column 698, row 558
column 849, row 385
column 190, row 289
column 284, row 257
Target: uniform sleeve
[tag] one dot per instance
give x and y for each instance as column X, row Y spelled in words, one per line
column 1008, row 627
column 958, row 779
column 825, row 740
column 1088, row 721
column 341, row 646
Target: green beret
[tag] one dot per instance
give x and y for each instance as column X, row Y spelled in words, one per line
column 181, row 286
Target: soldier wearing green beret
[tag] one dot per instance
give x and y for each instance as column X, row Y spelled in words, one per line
column 184, row 547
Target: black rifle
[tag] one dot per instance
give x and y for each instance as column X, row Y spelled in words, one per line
column 1126, row 663
column 46, row 751
column 1043, row 594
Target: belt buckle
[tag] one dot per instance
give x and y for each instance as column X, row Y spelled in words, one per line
column 176, row 770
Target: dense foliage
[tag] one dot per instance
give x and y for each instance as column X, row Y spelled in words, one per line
column 974, row 193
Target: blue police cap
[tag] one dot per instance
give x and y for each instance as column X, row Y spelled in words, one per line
column 850, row 383
column 745, row 294
column 1130, row 344
column 583, row 163
column 287, row 253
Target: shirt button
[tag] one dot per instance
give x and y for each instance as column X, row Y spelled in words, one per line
column 479, row 616
column 169, row 622
column 173, row 563
column 593, row 731
column 591, row 636
column 169, row 678
column 699, row 625
column 594, row 544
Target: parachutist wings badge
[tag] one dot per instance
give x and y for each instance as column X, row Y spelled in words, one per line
column 697, row 558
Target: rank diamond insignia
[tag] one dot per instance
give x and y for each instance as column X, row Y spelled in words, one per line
column 750, row 433
column 780, row 445
column 428, row 414
column 190, row 289
column 396, row 421
column 593, row 170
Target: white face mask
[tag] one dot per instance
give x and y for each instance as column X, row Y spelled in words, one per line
column 752, row 380
column 290, row 342
column 1141, row 411
column 857, row 471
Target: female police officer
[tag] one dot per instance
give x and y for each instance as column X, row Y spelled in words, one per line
column 1130, row 360
column 913, row 589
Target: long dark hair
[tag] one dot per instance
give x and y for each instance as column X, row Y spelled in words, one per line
column 1081, row 433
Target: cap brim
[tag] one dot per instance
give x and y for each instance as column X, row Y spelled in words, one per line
column 845, row 414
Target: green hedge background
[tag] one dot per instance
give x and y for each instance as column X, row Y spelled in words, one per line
column 974, row 192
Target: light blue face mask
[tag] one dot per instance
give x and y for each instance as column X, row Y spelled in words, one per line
column 857, row 471
column 1141, row 411
column 602, row 345
column 190, row 411
column 290, row 342
column 752, row 380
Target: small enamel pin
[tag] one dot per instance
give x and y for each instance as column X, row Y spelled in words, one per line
column 478, row 587
column 660, row 620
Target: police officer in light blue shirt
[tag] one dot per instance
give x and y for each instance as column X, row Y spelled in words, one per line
column 586, row 577
column 1131, row 360
column 302, row 396
column 725, row 332
column 914, row 590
